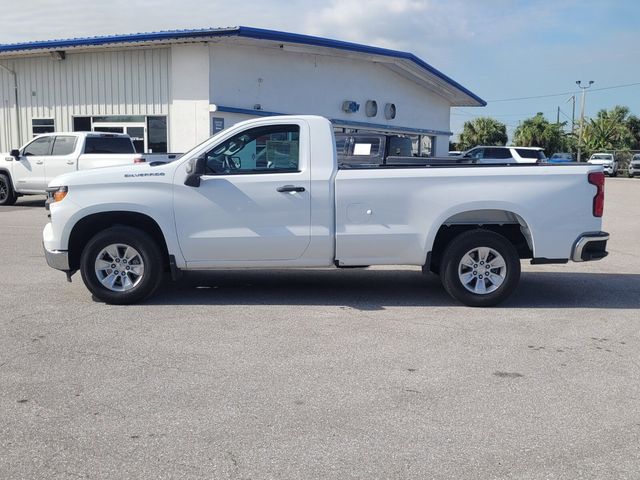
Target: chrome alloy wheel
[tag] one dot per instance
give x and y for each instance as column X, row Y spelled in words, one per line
column 119, row 267
column 482, row 270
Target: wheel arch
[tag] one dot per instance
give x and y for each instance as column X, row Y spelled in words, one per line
column 505, row 222
column 90, row 225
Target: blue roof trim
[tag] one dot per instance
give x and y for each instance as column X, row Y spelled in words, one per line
column 337, row 121
column 247, row 32
column 248, row 111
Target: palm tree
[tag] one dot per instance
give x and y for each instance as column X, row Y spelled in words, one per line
column 609, row 130
column 482, row 131
column 538, row 132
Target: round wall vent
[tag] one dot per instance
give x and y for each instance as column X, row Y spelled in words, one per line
column 390, row 111
column 371, row 108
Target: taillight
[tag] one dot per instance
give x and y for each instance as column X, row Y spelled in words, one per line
column 597, row 179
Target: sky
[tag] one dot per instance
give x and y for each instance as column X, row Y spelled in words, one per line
column 501, row 50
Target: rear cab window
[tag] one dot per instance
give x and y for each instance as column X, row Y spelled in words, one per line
column 105, row 144
column 360, row 150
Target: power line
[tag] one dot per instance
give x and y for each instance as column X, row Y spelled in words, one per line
column 563, row 93
column 469, row 114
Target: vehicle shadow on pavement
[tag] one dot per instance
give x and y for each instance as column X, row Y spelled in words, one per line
column 25, row 202
column 377, row 289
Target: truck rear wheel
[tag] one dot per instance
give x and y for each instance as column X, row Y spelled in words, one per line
column 121, row 265
column 480, row 268
column 7, row 195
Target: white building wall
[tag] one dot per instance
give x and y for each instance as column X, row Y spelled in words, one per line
column 304, row 83
column 125, row 82
column 189, row 120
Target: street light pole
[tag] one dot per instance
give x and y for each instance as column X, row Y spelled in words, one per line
column 583, row 88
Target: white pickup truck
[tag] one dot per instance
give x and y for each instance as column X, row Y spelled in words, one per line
column 27, row 171
column 269, row 193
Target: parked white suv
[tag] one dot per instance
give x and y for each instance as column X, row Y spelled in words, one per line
column 497, row 154
column 608, row 162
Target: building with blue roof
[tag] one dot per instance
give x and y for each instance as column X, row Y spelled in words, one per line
column 171, row 90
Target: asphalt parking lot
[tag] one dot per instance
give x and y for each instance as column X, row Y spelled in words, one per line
column 322, row 374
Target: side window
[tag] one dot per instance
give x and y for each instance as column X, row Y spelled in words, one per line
column 270, row 149
column 497, row 153
column 64, row 145
column 40, row 146
column 477, row 153
column 526, row 153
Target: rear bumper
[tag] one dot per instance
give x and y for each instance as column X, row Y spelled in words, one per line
column 590, row 246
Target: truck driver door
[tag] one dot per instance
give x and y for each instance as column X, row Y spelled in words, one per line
column 253, row 203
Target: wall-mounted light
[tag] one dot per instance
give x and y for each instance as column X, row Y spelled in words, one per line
column 390, row 111
column 349, row 106
column 257, row 106
column 371, row 108
column 58, row 55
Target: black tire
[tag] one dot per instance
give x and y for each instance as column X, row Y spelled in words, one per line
column 466, row 242
column 7, row 195
column 143, row 285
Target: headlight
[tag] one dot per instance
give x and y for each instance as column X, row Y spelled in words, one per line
column 56, row 194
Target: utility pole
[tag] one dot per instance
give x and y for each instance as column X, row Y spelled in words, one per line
column 572, row 98
column 583, row 88
column 558, row 117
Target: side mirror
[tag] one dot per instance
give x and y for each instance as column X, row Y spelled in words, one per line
column 195, row 169
column 15, row 153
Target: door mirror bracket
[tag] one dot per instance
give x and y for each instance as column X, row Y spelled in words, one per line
column 195, row 170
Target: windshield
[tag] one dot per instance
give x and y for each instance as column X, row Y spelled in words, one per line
column 602, row 156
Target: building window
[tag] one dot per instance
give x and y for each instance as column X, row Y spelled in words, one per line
column 427, row 146
column 157, row 134
column 42, row 125
column 81, row 124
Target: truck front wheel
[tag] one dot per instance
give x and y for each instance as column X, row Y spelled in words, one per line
column 121, row 265
column 480, row 268
column 7, row 195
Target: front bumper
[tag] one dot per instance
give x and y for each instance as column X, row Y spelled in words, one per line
column 590, row 246
column 58, row 259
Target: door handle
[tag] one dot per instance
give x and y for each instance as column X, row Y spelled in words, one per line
column 290, row 188
column 39, row 162
column 70, row 162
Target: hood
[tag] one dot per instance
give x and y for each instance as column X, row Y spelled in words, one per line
column 599, row 161
column 136, row 172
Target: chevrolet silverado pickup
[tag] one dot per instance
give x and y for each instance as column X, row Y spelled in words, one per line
column 28, row 170
column 270, row 193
